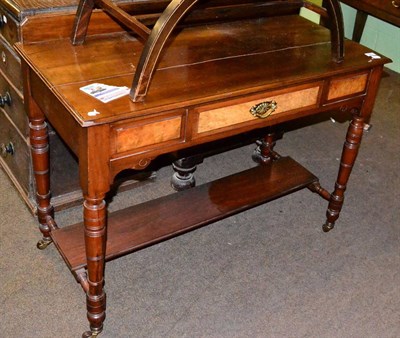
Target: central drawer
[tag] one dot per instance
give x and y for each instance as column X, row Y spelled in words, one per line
column 220, row 117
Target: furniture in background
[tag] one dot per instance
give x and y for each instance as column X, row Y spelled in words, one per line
column 386, row 10
column 29, row 21
column 240, row 68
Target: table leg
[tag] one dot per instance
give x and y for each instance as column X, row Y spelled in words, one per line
column 349, row 154
column 39, row 140
column 95, row 241
column 264, row 153
column 359, row 25
column 183, row 177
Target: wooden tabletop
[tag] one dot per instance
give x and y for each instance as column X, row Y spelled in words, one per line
column 200, row 64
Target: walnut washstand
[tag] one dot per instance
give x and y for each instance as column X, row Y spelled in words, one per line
column 210, row 82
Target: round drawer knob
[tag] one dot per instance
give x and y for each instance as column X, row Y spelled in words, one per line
column 7, row 149
column 3, row 21
column 5, row 99
column 395, row 4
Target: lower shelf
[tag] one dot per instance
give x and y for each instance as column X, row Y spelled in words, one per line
column 141, row 225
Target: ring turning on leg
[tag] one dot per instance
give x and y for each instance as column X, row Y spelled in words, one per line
column 264, row 153
column 349, row 154
column 95, row 239
column 40, row 158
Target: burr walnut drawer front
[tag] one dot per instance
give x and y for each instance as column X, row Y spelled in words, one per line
column 137, row 135
column 9, row 27
column 10, row 65
column 255, row 109
column 14, row 151
column 347, row 86
column 12, row 103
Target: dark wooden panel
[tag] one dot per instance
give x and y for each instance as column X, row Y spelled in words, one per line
column 9, row 29
column 10, row 65
column 18, row 162
column 13, row 105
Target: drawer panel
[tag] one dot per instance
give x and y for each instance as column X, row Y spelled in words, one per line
column 388, row 6
column 13, row 105
column 10, row 65
column 210, row 118
column 9, row 27
column 140, row 134
column 387, row 10
column 347, row 86
column 18, row 162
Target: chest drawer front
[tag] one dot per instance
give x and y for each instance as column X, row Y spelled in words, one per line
column 14, row 152
column 387, row 10
column 12, row 103
column 10, row 65
column 388, row 6
column 214, row 119
column 9, row 27
column 136, row 135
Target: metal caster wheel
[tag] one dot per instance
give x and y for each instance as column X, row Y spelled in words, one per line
column 91, row 334
column 43, row 243
column 328, row 226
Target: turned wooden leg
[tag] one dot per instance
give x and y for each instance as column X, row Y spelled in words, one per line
column 183, row 177
column 40, row 157
column 349, row 154
column 264, row 153
column 95, row 241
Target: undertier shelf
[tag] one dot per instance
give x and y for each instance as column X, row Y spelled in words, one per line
column 141, row 225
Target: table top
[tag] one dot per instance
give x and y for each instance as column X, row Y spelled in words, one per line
column 200, row 64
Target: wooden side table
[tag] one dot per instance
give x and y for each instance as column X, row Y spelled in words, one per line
column 211, row 82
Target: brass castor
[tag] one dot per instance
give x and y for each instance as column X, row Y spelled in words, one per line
column 91, row 334
column 43, row 243
column 328, row 226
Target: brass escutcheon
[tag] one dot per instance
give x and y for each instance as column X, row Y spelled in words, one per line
column 264, row 109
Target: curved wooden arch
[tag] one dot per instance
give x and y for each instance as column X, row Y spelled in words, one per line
column 152, row 49
column 336, row 28
column 174, row 13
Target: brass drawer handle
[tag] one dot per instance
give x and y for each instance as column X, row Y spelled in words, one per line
column 7, row 149
column 395, row 4
column 264, row 109
column 5, row 99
